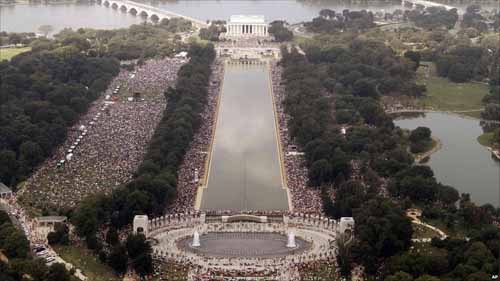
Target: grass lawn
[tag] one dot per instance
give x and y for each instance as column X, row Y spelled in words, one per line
column 300, row 40
column 448, row 96
column 486, row 139
column 87, row 262
column 8, row 53
column 427, row 249
column 195, row 38
column 457, row 232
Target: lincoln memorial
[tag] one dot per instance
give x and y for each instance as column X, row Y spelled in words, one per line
column 246, row 26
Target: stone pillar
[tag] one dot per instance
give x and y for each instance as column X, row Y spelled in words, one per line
column 141, row 225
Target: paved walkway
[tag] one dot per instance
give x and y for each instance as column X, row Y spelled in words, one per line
column 416, row 220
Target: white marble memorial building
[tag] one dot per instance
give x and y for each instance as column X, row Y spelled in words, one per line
column 246, row 26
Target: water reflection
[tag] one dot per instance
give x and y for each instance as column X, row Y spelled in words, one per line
column 245, row 169
column 28, row 18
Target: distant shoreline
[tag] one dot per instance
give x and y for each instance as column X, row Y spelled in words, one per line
column 24, row 2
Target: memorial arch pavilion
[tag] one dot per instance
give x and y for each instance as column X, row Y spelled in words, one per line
column 246, row 26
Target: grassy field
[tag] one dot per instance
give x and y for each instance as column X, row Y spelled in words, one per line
column 87, row 262
column 448, row 96
column 8, row 53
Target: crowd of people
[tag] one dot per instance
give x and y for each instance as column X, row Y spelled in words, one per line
column 22, row 220
column 150, row 78
column 304, row 198
column 106, row 146
column 173, row 244
column 192, row 170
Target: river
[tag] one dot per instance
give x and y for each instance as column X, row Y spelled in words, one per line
column 27, row 18
column 461, row 162
column 245, row 171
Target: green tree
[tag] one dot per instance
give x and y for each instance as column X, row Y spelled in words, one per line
column 46, row 29
column 320, row 172
column 427, row 278
column 459, row 73
column 382, row 230
column 280, row 32
column 58, row 272
column 399, row 276
column 140, row 251
column 420, row 134
column 118, row 259
column 413, row 56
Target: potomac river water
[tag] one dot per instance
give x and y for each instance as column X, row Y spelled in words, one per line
column 245, row 171
column 15, row 18
column 461, row 162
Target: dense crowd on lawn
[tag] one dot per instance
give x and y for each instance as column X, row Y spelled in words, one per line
column 105, row 148
column 150, row 79
column 192, row 170
column 304, row 199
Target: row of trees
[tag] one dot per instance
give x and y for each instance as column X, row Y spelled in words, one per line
column 450, row 259
column 213, row 32
column 41, row 94
column 331, row 86
column 330, row 21
column 382, row 229
column 12, row 38
column 19, row 263
column 472, row 18
column 492, row 100
column 145, row 40
column 433, row 17
column 463, row 64
column 44, row 91
column 135, row 251
column 310, row 122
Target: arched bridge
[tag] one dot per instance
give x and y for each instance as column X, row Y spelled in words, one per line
column 427, row 4
column 148, row 11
